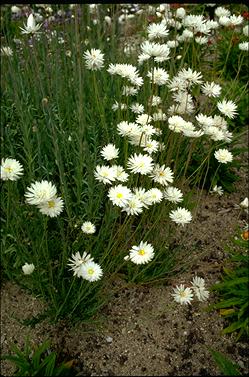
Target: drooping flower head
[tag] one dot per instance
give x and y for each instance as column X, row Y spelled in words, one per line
column 28, row 268
column 200, row 291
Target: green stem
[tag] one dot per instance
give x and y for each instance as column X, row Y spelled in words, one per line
column 64, row 302
column 100, row 106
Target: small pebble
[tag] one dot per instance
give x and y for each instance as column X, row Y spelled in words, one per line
column 109, row 339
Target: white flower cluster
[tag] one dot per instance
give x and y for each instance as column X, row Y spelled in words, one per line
column 85, row 267
column 127, row 71
column 215, row 127
column 184, row 295
column 43, row 195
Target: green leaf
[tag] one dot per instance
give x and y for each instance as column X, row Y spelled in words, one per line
column 227, row 367
column 37, row 355
column 234, row 326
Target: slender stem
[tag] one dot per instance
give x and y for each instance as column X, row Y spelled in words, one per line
column 8, row 205
column 64, row 302
column 100, row 106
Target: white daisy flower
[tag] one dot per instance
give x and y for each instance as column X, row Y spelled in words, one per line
column 105, row 174
column 198, row 285
column 172, row 44
column 52, row 207
column 180, row 12
column 201, row 40
column 40, row 192
column 162, row 175
column 198, row 282
column 227, row 108
column 221, row 11
column 181, row 216
column 142, row 195
column 120, row 106
column 223, row 156
column 159, row 76
column 109, row 152
column 94, row 59
column 134, row 206
column 129, row 90
column 176, row 123
column 190, row 76
column 90, row 271
column 246, row 30
column 88, row 227
column 211, row 89
column 160, row 52
column 151, row 146
column 155, row 101
column 154, row 195
column 127, row 71
column 140, row 163
column 173, row 194
column 157, row 31
column 224, row 21
column 137, row 108
column 6, row 51
column 120, row 173
column 120, row 195
column 30, row 27
column 143, row 119
column 141, row 254
column 127, row 129
column 236, row 20
column 182, row 295
column 28, row 268
column 147, row 130
column 11, row 169
column 76, row 262
column 244, row 46
column 217, row 190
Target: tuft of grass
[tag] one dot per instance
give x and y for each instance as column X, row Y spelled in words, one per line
column 233, row 291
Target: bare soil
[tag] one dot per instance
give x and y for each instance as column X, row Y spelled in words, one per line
column 143, row 331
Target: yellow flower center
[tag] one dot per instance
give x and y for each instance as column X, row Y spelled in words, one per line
column 141, row 252
column 119, row 195
column 90, row 271
column 51, row 204
column 8, row 169
column 183, row 294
